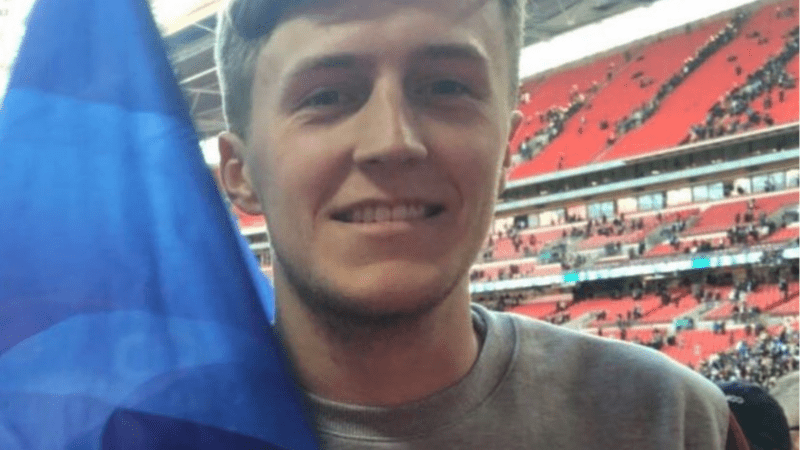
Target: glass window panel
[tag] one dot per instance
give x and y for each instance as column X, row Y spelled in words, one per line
column 700, row 193
column 716, row 191
column 778, row 181
column 759, row 183
column 793, row 178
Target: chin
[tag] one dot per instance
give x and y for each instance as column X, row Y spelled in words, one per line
column 396, row 287
column 383, row 293
column 373, row 293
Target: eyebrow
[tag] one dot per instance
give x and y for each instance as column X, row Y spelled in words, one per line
column 337, row 61
column 452, row 51
column 350, row 60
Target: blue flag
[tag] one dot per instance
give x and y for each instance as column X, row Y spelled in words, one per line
column 132, row 315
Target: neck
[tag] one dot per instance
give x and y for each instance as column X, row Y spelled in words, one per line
column 403, row 360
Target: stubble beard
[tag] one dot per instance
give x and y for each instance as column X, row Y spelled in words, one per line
column 347, row 319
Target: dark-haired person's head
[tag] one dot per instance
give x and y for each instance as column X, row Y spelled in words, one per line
column 761, row 417
column 372, row 135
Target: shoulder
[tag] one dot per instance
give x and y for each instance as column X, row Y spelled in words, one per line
column 629, row 380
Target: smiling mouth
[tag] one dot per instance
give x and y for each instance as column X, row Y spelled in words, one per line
column 405, row 212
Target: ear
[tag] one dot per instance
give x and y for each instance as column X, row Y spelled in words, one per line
column 515, row 120
column 234, row 174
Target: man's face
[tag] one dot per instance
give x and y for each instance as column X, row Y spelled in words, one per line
column 378, row 133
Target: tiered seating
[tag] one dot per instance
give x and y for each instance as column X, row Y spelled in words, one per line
column 642, row 334
column 691, row 100
column 722, row 216
column 503, row 247
column 491, row 273
column 527, row 268
column 783, row 234
column 665, row 314
column 782, row 111
column 725, row 308
column 547, row 270
column 766, row 297
column 697, row 345
column 611, row 306
column 554, row 90
column 787, row 110
column 249, row 221
column 650, row 222
column 535, row 310
column 630, row 237
column 661, row 250
column 646, row 304
column 580, row 142
column 723, row 311
column 790, row 308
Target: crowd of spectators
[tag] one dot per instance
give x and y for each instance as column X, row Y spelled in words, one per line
column 499, row 301
column 750, row 227
column 762, row 363
column 604, row 226
column 524, row 244
column 747, row 229
column 714, row 43
column 735, row 110
column 552, row 122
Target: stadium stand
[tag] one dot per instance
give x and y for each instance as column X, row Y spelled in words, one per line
column 690, row 100
column 539, row 310
column 694, row 346
column 723, row 215
column 603, row 100
column 760, row 357
column 249, row 221
column 790, row 308
column 680, row 304
column 784, row 234
column 633, row 85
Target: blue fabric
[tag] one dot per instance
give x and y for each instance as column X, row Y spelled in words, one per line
column 131, row 313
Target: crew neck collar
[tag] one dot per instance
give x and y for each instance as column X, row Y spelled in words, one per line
column 440, row 409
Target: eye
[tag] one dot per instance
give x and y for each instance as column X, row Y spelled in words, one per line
column 448, row 87
column 323, row 98
column 442, row 89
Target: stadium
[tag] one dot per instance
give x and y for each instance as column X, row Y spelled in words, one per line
column 653, row 189
column 653, row 193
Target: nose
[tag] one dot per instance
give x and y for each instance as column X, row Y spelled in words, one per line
column 390, row 131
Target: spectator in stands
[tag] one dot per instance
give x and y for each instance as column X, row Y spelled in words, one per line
column 740, row 98
column 339, row 113
column 762, row 363
column 761, row 417
column 783, row 286
column 690, row 64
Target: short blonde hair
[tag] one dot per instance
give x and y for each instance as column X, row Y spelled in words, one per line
column 244, row 26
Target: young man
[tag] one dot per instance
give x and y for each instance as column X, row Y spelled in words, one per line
column 372, row 134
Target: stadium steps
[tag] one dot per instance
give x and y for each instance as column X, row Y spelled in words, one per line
column 580, row 142
column 615, row 98
column 721, row 216
column 692, row 98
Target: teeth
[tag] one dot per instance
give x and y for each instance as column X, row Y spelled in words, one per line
column 416, row 211
column 369, row 214
column 399, row 212
column 384, row 213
